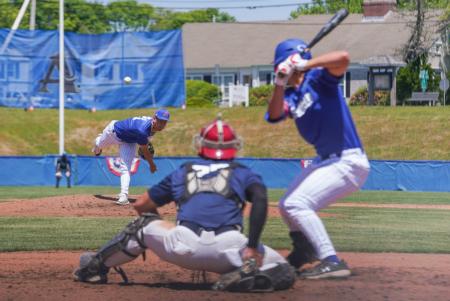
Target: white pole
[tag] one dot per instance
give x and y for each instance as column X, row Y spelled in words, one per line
column 33, row 15
column 15, row 25
column 61, row 77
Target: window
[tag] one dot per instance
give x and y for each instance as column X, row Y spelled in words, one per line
column 224, row 79
column 247, row 80
column 129, row 69
column 2, row 70
column 104, row 71
column 194, row 77
column 13, row 70
column 382, row 81
column 265, row 77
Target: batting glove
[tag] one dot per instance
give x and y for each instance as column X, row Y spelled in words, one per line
column 283, row 73
column 297, row 62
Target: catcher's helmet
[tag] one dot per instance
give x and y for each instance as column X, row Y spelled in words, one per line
column 217, row 141
column 289, row 47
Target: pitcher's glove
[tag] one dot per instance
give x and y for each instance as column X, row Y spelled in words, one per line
column 150, row 148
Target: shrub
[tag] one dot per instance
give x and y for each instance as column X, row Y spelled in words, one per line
column 259, row 96
column 201, row 94
column 361, row 97
column 408, row 80
column 199, row 102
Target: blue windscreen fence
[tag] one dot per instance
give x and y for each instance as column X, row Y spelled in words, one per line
column 95, row 68
column 276, row 173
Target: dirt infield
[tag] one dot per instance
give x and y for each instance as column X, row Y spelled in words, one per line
column 47, row 275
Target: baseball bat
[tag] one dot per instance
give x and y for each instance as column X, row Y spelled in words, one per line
column 327, row 28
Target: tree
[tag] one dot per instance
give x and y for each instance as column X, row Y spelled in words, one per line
column 128, row 15
column 327, row 7
column 408, row 77
column 355, row 6
column 92, row 17
column 171, row 20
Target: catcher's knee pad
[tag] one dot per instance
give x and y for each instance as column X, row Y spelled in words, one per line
column 248, row 278
column 94, row 268
column 118, row 250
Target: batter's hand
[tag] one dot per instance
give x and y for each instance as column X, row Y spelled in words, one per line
column 283, row 73
column 249, row 253
column 297, row 62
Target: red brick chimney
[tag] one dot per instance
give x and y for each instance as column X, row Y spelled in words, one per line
column 378, row 8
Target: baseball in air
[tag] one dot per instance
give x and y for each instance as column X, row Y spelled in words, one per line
column 127, row 79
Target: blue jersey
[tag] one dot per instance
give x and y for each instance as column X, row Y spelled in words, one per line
column 321, row 114
column 134, row 130
column 209, row 210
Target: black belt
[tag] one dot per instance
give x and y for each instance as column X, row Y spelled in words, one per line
column 197, row 229
column 330, row 156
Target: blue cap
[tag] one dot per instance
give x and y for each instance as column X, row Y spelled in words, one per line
column 289, row 47
column 162, row 114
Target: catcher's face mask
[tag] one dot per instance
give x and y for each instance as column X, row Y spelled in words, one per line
column 217, row 141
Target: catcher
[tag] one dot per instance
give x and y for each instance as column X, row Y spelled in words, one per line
column 210, row 193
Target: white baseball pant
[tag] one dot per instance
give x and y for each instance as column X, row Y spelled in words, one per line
column 320, row 184
column 127, row 152
column 208, row 252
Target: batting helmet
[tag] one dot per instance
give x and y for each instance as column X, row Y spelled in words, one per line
column 289, row 47
column 217, row 141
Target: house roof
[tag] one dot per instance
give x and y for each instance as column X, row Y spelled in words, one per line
column 235, row 45
column 382, row 60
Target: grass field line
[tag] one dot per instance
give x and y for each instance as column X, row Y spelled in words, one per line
column 396, row 206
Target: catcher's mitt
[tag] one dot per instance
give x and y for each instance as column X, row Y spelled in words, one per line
column 249, row 278
column 150, row 148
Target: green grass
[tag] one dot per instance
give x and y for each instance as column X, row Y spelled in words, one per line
column 404, row 133
column 351, row 229
column 56, row 233
column 377, row 230
column 384, row 197
column 370, row 197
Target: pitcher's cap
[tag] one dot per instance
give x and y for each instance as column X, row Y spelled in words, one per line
column 162, row 114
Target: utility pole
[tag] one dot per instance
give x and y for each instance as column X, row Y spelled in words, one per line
column 33, row 15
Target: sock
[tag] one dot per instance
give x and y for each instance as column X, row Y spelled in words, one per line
column 332, row 258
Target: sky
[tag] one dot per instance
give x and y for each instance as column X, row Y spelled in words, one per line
column 261, row 10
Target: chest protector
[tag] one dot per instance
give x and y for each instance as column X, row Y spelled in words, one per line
column 219, row 183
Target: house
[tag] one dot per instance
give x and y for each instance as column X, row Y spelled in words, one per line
column 242, row 53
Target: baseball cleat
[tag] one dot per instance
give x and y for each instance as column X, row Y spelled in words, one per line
column 80, row 276
column 123, row 200
column 327, row 269
column 97, row 151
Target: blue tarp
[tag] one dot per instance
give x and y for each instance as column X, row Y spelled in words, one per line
column 276, row 173
column 95, row 66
